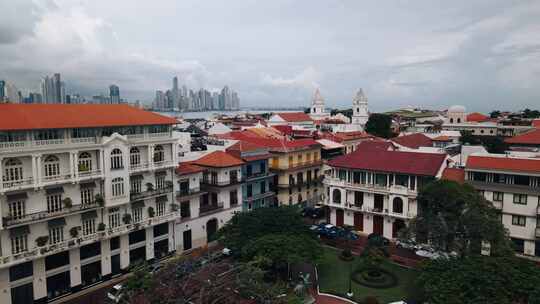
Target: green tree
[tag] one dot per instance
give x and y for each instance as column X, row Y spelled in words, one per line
column 468, row 138
column 452, row 216
column 495, row 114
column 283, row 249
column 480, row 279
column 246, row 227
column 380, row 125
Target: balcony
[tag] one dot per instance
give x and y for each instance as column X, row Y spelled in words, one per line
column 56, row 179
column 300, row 165
column 260, row 175
column 164, row 164
column 214, row 184
column 50, row 249
column 47, row 144
column 89, row 174
column 147, row 136
column 44, row 215
column 18, row 184
column 210, row 208
column 139, row 167
column 150, row 193
column 259, row 196
column 184, row 194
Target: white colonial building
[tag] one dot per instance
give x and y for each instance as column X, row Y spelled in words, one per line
column 375, row 190
column 318, row 110
column 87, row 191
column 512, row 184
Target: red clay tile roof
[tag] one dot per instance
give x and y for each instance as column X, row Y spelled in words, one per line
column 188, row 168
column 530, row 165
column 294, row 116
column 454, row 174
column 529, row 138
column 64, row 116
column 218, row 159
column 535, row 123
column 277, row 145
column 245, row 146
column 287, row 130
column 478, row 117
column 375, row 145
column 413, row 141
column 426, row 164
column 353, row 135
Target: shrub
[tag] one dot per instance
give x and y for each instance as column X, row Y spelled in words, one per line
column 101, row 227
column 374, row 278
column 126, row 218
column 42, row 240
column 68, row 203
column 74, row 231
column 99, row 200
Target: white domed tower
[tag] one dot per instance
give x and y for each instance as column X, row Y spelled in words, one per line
column 317, row 110
column 456, row 115
column 360, row 109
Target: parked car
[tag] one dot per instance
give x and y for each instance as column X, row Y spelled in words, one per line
column 116, row 293
column 407, row 244
column 376, row 239
column 315, row 212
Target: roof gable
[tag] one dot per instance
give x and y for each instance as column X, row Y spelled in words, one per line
column 294, row 116
column 413, row 141
column 218, row 159
column 494, row 163
column 529, row 138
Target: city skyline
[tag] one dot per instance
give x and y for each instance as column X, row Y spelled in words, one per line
column 481, row 54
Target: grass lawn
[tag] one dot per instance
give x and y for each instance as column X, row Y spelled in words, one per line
column 334, row 278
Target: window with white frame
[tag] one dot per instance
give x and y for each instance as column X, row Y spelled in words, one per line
column 52, row 166
column 17, row 209
column 19, row 244
column 89, row 226
column 56, row 234
column 87, row 196
column 520, row 199
column 117, row 187
column 519, row 220
column 114, row 217
column 85, row 162
column 134, row 156
column 13, row 170
column 498, row 196
column 160, row 208
column 160, row 181
column 54, row 203
column 137, row 214
column 159, row 154
column 116, row 159
column 136, row 185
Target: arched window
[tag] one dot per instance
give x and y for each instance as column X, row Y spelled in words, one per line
column 85, row 162
column 52, row 166
column 159, row 154
column 134, row 156
column 13, row 169
column 397, row 205
column 336, row 196
column 116, row 159
column 117, row 187
column 451, row 120
column 459, row 120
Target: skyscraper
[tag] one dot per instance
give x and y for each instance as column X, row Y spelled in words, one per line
column 2, row 90
column 12, row 94
column 53, row 89
column 175, row 93
column 114, row 93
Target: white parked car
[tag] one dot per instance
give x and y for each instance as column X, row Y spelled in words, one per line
column 115, row 294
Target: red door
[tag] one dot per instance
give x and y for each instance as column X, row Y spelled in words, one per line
column 378, row 224
column 359, row 221
column 339, row 217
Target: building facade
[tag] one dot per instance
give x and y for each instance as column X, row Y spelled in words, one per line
column 512, row 185
column 375, row 191
column 83, row 197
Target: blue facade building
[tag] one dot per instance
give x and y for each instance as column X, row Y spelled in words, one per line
column 257, row 188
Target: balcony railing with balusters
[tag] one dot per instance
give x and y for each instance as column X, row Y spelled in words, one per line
column 49, row 249
column 45, row 215
column 151, row 193
column 210, row 208
column 47, row 143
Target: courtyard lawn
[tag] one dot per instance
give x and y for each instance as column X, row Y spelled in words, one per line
column 334, row 278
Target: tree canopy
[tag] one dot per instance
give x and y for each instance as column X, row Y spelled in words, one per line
column 480, row 279
column 493, row 144
column 456, row 217
column 380, row 125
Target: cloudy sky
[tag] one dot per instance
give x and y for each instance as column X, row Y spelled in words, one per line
column 483, row 54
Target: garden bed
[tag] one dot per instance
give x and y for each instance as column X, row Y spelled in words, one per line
column 334, row 279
